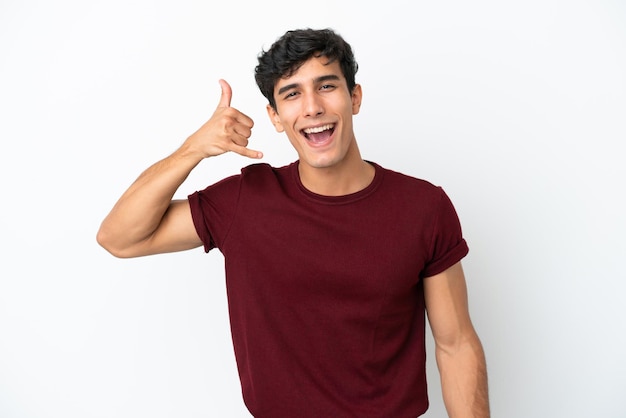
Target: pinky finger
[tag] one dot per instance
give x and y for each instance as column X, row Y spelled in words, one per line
column 246, row 152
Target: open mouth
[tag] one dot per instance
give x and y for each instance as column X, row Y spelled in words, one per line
column 319, row 134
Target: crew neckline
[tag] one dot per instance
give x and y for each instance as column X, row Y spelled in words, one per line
column 342, row 199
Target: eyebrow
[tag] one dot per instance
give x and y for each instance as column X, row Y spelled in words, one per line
column 317, row 80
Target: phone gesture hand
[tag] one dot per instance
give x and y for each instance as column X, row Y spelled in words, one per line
column 227, row 130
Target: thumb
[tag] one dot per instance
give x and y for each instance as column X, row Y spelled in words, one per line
column 227, row 94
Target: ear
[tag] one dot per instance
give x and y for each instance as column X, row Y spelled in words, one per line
column 357, row 96
column 274, row 118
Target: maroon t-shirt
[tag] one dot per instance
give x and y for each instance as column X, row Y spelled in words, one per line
column 325, row 293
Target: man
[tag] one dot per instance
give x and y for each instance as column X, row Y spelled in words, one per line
column 331, row 261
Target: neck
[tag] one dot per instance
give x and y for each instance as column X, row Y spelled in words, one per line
column 337, row 181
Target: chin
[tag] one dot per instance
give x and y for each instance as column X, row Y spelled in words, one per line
column 322, row 163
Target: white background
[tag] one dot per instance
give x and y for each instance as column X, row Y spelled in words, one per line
column 518, row 109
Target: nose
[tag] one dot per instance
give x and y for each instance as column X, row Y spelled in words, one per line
column 313, row 105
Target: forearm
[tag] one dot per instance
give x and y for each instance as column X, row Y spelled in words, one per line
column 140, row 210
column 464, row 380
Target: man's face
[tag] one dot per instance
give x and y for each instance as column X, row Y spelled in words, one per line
column 314, row 108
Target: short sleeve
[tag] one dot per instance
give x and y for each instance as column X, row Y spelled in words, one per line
column 213, row 210
column 447, row 245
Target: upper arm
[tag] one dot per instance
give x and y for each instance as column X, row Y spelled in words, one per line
column 175, row 232
column 445, row 296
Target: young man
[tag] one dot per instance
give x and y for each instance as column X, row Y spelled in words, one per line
column 331, row 261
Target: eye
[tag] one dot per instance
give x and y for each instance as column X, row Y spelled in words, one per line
column 291, row 94
column 327, row 87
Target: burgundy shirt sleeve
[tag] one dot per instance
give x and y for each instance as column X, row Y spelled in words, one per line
column 213, row 210
column 447, row 245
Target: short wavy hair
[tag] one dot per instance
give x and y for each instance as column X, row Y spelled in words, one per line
column 293, row 49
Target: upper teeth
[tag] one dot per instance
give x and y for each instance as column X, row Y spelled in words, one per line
column 317, row 129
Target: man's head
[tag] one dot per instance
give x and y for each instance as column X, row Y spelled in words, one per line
column 294, row 48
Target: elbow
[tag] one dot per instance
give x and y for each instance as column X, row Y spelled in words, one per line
column 106, row 241
column 450, row 345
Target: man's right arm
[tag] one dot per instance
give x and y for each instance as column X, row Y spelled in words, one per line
column 145, row 220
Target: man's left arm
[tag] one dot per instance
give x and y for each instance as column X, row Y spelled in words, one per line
column 458, row 349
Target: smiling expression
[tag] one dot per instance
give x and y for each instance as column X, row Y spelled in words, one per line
column 314, row 108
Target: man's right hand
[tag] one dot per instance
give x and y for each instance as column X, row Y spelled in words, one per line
column 227, row 130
